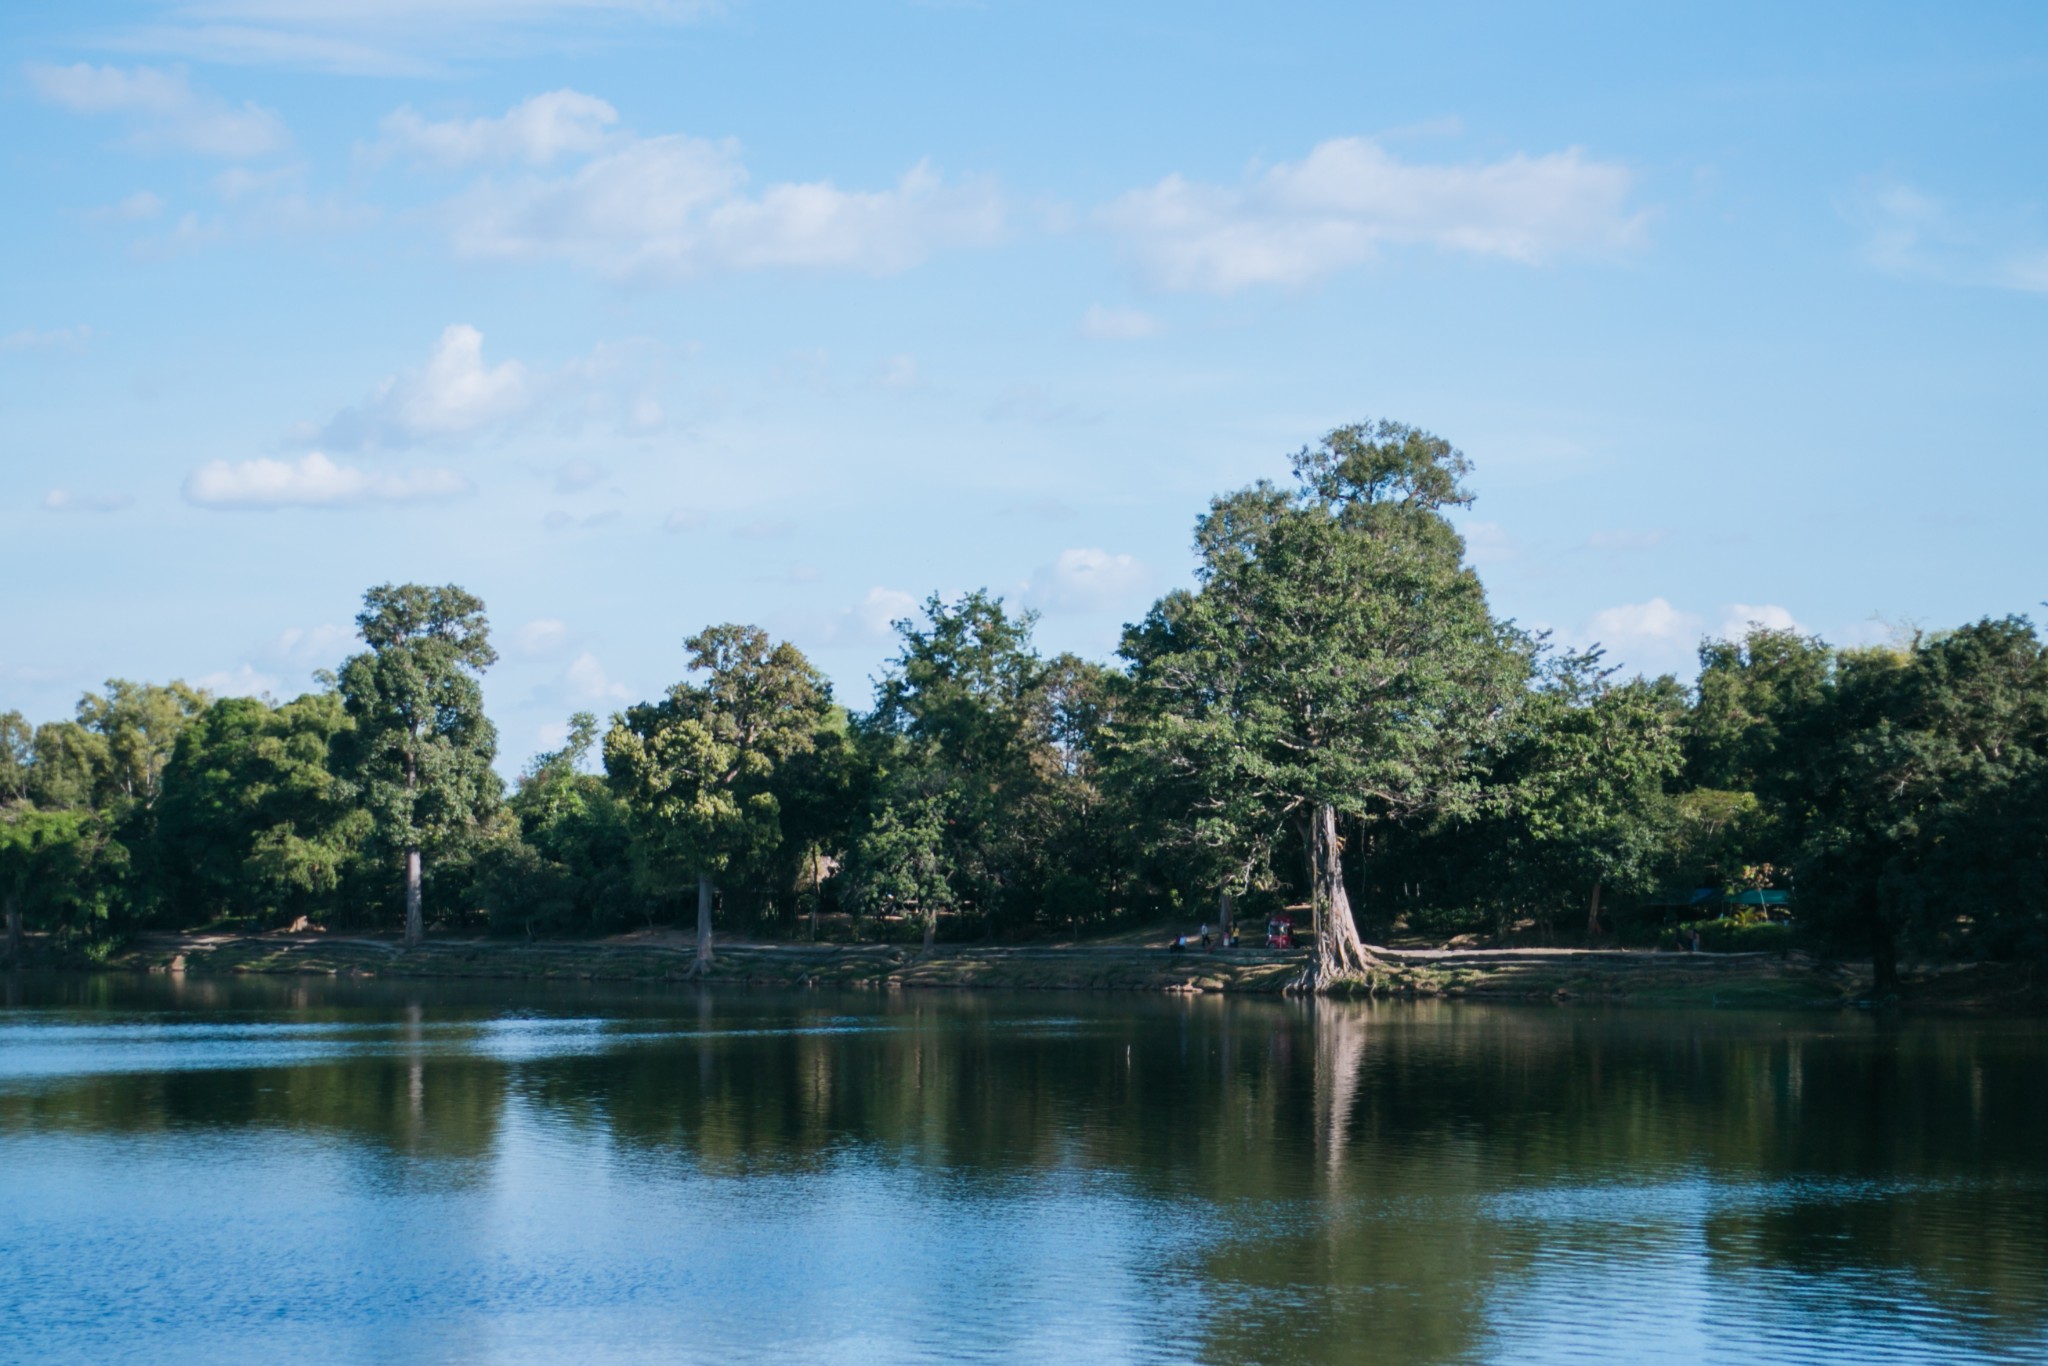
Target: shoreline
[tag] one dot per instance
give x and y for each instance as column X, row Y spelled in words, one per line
column 1600, row 976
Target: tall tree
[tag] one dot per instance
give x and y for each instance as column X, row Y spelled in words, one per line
column 1339, row 659
column 1588, row 777
column 61, row 871
column 140, row 724
column 252, row 820
column 699, row 769
column 17, row 753
column 1909, row 784
column 420, row 749
column 68, row 766
column 970, row 722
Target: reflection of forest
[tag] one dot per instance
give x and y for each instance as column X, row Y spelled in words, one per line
column 1347, row 1173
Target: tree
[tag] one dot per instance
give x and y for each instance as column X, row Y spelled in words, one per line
column 1338, row 658
column 571, row 867
column 17, row 754
column 420, row 748
column 62, row 871
column 67, row 766
column 1589, row 777
column 1909, row 785
column 252, row 820
column 957, row 730
column 1171, row 769
column 698, row 770
column 140, row 724
column 900, row 859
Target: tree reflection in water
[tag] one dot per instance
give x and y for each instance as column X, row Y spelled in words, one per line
column 1273, row 1179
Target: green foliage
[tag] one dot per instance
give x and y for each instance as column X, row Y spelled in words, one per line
column 702, row 773
column 984, row 762
column 1737, row 935
column 17, row 756
column 1332, row 706
column 65, row 874
column 571, row 867
column 1338, row 661
column 1910, row 788
column 253, row 822
column 418, row 750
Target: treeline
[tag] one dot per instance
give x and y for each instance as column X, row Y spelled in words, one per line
column 1331, row 718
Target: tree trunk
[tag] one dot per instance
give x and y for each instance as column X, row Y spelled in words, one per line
column 13, row 931
column 705, row 891
column 931, row 928
column 415, row 920
column 1884, row 958
column 1341, row 956
column 1593, row 914
column 1226, row 912
column 816, row 896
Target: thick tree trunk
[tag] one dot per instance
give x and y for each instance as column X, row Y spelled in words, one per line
column 705, row 892
column 1593, row 914
column 931, row 928
column 1341, row 1036
column 1341, row 957
column 13, row 931
column 816, row 896
column 1226, row 912
column 1884, row 958
column 415, row 919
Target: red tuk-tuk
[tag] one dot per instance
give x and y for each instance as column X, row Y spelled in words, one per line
column 1280, row 932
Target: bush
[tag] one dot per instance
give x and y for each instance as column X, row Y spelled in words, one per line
column 1445, row 922
column 1743, row 935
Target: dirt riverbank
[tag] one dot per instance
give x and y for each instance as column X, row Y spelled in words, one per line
column 1620, row 976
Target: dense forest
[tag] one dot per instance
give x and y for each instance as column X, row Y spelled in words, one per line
column 1331, row 718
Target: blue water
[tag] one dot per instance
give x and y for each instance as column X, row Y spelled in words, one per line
column 260, row 1170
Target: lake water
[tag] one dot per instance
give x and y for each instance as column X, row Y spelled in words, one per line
column 269, row 1170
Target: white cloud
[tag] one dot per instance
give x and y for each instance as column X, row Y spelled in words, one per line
column 58, row 338
column 64, row 500
column 1914, row 235
column 1656, row 619
column 1118, row 324
column 319, row 646
column 541, row 638
column 683, row 519
column 165, row 112
column 392, row 37
column 1087, row 580
column 874, row 616
column 1034, row 403
column 1625, row 540
column 559, row 520
column 1738, row 618
column 1649, row 637
column 240, row 681
column 139, row 207
column 1296, row 222
column 535, row 132
column 585, row 680
column 1488, row 543
column 313, row 481
column 578, row 474
column 674, row 206
column 455, row 394
column 897, row 372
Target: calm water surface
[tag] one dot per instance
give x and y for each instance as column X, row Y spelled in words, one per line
column 228, row 1171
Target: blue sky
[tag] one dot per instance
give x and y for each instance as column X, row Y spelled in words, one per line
column 632, row 316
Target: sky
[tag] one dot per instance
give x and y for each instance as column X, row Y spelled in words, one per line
column 634, row 316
